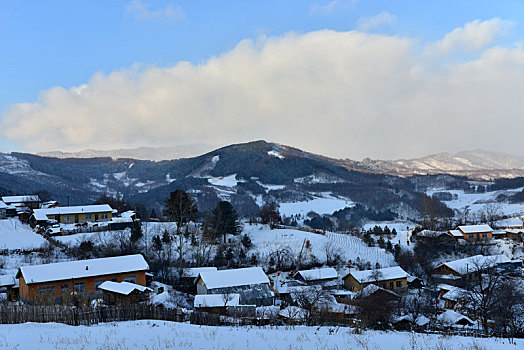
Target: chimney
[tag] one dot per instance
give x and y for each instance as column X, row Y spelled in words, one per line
column 87, row 267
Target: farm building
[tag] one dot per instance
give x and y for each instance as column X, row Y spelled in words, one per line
column 221, row 304
column 251, row 283
column 326, row 277
column 72, row 215
column 451, row 318
column 458, row 272
column 3, row 210
column 9, row 285
column 28, row 201
column 476, row 233
column 52, row 282
column 392, row 278
column 450, row 296
column 118, row 293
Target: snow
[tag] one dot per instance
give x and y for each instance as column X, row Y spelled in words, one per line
column 456, row 233
column 509, row 222
column 371, row 289
column 21, row 199
column 451, row 317
column 323, row 204
column 83, row 268
column 234, row 277
column 293, row 313
column 16, row 235
column 151, row 334
column 476, row 262
column 215, row 159
column 124, row 288
column 7, row 280
column 227, row 181
column 2, row 205
column 275, row 154
column 475, row 228
column 388, row 273
column 217, row 300
column 81, row 209
column 195, row 271
column 318, row 274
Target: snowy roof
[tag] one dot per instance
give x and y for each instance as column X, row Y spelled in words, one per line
column 318, row 274
column 21, row 199
column 372, row 289
column 293, row 312
column 455, row 294
column 456, row 233
column 82, row 268
column 388, row 273
column 233, row 278
column 475, row 228
column 420, row 321
column 80, row 209
column 195, row 271
column 3, row 205
column 452, row 317
column 7, row 280
column 509, row 222
column 498, row 232
column 217, row 300
column 124, row 288
column 475, row 263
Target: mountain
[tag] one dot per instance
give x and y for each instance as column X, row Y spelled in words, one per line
column 476, row 164
column 143, row 153
column 248, row 175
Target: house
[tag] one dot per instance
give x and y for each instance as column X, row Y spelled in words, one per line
column 409, row 322
column 123, row 221
column 451, row 296
column 221, row 304
column 188, row 276
column 499, row 234
column 52, row 282
column 476, row 233
column 326, row 277
column 458, row 272
column 72, row 215
column 451, row 318
column 3, row 210
column 393, row 278
column 251, row 283
column 515, row 234
column 456, row 234
column 9, row 285
column 374, row 291
column 118, row 293
column 414, row 282
column 28, row 201
column 511, row 223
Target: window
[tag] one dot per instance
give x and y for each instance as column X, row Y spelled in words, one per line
column 390, row 285
column 67, row 218
column 104, row 215
column 64, row 289
column 399, row 284
column 383, row 285
column 96, row 217
column 130, row 279
column 46, row 290
column 98, row 283
column 484, row 235
column 79, row 287
column 114, row 279
column 89, row 217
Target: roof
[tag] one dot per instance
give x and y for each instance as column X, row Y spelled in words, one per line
column 388, row 273
column 80, row 209
column 475, row 228
column 509, row 222
column 455, row 294
column 456, row 233
column 124, row 288
column 293, row 312
column 372, row 289
column 318, row 274
column 217, row 300
column 7, row 280
column 82, row 268
column 475, row 263
column 233, row 278
column 21, row 199
column 420, row 321
column 195, row 271
column 3, row 205
column 452, row 317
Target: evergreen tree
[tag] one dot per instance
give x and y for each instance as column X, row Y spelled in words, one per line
column 225, row 220
column 136, row 232
column 180, row 208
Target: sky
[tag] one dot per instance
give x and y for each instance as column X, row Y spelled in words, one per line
column 343, row 78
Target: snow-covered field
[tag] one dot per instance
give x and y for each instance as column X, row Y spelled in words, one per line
column 15, row 235
column 350, row 247
column 170, row 335
column 403, row 228
column 326, row 204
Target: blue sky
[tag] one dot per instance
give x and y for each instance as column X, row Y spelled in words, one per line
column 47, row 44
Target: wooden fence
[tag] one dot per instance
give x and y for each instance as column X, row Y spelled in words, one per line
column 87, row 316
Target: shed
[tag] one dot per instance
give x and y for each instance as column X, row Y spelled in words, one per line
column 118, row 293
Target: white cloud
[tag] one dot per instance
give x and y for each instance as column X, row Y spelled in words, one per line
column 381, row 19
column 142, row 10
column 472, row 36
column 324, row 8
column 345, row 94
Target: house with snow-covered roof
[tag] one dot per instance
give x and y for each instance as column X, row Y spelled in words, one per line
column 476, row 233
column 326, row 277
column 28, row 201
column 3, row 210
column 458, row 272
column 53, row 282
column 118, row 293
column 392, row 278
column 72, row 214
column 251, row 283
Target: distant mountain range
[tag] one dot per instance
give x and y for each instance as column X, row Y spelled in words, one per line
column 143, row 153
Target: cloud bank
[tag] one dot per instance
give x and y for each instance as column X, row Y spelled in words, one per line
column 142, row 10
column 344, row 94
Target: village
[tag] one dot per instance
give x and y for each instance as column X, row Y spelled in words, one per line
column 103, row 264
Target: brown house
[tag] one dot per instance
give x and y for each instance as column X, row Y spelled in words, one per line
column 392, row 278
column 476, row 233
column 56, row 282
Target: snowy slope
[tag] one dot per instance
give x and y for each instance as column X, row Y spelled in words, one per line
column 15, row 235
column 149, row 334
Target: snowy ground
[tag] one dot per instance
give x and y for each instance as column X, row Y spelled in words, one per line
column 15, row 235
column 171, row 335
column 404, row 231
column 324, row 204
column 266, row 241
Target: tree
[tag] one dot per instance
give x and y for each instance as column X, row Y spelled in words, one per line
column 180, row 208
column 269, row 215
column 225, row 220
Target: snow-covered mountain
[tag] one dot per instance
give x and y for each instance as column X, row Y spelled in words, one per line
column 477, row 164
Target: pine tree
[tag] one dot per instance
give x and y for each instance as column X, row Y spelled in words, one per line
column 180, row 208
column 225, row 220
